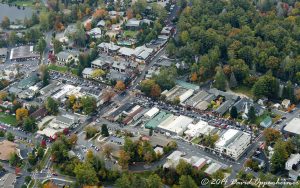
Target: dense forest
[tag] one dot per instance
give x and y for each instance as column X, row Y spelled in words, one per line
column 246, row 38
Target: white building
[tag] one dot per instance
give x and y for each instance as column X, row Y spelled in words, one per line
column 64, row 90
column 175, row 124
column 87, row 72
column 293, row 160
column 233, row 143
column 201, row 128
column 293, row 126
column 173, row 159
column 151, row 113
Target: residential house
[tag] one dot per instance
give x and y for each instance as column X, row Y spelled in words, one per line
column 286, row 103
column 133, row 24
column 267, row 122
column 66, row 57
column 95, row 33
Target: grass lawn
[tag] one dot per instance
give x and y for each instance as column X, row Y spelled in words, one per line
column 131, row 34
column 58, row 68
column 259, row 119
column 63, row 69
column 196, row 140
column 243, row 90
column 7, row 118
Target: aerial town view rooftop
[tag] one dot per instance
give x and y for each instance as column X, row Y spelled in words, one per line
column 149, row 93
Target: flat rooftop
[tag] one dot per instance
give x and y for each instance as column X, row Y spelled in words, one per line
column 293, row 126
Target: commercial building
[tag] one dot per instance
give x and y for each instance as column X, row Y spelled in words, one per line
column 151, row 113
column 159, row 118
column 201, row 128
column 63, row 91
column 293, row 127
column 108, row 47
column 87, row 72
column 175, row 125
column 178, row 91
column 212, row 168
column 233, row 143
column 8, row 180
column 173, row 159
column 23, row 53
column 199, row 163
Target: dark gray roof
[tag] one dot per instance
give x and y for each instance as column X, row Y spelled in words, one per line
column 228, row 96
column 240, row 105
column 224, row 107
column 124, row 108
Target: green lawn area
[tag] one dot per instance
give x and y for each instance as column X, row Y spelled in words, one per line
column 196, row 140
column 243, row 90
column 131, row 34
column 63, row 69
column 7, row 118
column 58, row 68
column 259, row 119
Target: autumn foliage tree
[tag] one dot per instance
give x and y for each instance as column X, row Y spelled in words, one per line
column 21, row 114
column 120, row 86
column 88, row 26
column 155, row 91
column 99, row 14
column 271, row 135
column 194, row 77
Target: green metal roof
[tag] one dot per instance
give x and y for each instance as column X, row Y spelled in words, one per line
column 187, row 85
column 266, row 122
column 154, row 122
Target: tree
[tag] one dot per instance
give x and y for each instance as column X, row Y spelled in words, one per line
column 104, row 130
column 154, row 181
column 89, row 104
column 107, row 149
column 73, row 139
column 90, row 132
column 85, row 174
column 232, row 82
column 252, row 114
column 124, row 158
column 288, row 92
column 44, row 21
column 155, row 91
column 220, row 80
column 14, row 159
column 183, row 168
column 186, row 181
column 279, row 157
column 40, row 47
column 51, row 106
column 10, row 136
column 5, row 22
column 194, row 77
column 40, row 152
column 12, row 38
column 21, row 114
column 30, row 124
column 32, row 159
column 97, row 73
column 57, row 45
column 88, row 26
column 233, row 112
column 44, row 72
column 27, row 179
column 120, row 86
column 146, row 86
column 271, row 135
column 3, row 95
column 266, row 86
